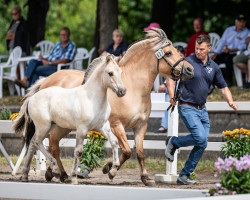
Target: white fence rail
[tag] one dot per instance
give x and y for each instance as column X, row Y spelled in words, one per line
column 158, row 107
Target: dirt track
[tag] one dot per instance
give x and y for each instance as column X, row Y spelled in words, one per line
column 125, row 177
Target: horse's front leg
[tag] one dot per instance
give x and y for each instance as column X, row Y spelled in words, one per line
column 106, row 131
column 80, row 135
column 139, row 133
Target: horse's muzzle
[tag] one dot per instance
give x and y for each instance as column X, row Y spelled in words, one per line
column 188, row 72
column 121, row 92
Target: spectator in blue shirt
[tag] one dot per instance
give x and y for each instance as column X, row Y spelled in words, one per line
column 117, row 48
column 232, row 40
column 192, row 107
column 63, row 52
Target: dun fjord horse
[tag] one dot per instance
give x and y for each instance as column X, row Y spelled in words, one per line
column 140, row 66
column 85, row 107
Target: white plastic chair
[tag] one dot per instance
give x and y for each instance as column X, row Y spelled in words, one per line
column 183, row 44
column 45, row 47
column 90, row 55
column 81, row 54
column 10, row 76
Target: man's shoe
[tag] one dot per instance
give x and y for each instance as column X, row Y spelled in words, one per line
column 21, row 83
column 185, row 180
column 170, row 149
column 247, row 85
column 164, row 130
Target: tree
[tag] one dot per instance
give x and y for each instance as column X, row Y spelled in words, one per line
column 108, row 16
column 37, row 19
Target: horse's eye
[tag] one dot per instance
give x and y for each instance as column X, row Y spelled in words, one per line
column 169, row 53
column 110, row 73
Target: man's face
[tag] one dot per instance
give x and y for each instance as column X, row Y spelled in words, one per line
column 16, row 15
column 197, row 25
column 201, row 50
column 64, row 35
column 240, row 24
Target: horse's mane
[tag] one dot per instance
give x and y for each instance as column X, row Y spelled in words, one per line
column 155, row 37
column 91, row 68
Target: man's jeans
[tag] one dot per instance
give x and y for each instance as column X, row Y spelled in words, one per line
column 197, row 122
column 36, row 68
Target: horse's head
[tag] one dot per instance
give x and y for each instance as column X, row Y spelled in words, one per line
column 177, row 66
column 112, row 76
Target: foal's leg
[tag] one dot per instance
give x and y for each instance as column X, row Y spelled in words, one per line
column 81, row 132
column 31, row 150
column 139, row 133
column 106, row 131
column 120, row 133
column 55, row 136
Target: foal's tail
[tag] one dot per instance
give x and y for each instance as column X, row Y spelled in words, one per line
column 23, row 123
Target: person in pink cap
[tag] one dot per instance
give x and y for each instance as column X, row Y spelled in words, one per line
column 152, row 25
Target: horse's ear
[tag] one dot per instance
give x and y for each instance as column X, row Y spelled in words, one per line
column 108, row 58
column 117, row 59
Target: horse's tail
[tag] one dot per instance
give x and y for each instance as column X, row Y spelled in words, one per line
column 23, row 122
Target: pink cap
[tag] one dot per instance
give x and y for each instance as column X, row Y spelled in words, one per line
column 152, row 25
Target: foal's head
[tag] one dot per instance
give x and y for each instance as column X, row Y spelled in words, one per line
column 112, row 76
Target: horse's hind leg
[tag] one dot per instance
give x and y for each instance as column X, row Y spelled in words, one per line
column 31, row 150
column 120, row 133
column 55, row 136
column 105, row 130
column 139, row 133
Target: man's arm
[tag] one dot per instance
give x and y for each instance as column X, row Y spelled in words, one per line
column 170, row 87
column 228, row 97
column 56, row 62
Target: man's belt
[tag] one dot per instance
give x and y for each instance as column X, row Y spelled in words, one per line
column 190, row 104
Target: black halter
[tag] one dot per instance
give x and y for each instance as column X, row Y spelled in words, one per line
column 160, row 54
column 178, row 90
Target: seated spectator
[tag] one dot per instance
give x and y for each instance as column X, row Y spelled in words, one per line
column 63, row 52
column 117, row 48
column 242, row 61
column 232, row 40
column 199, row 30
column 163, row 88
column 18, row 32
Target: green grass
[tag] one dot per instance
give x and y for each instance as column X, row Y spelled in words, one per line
column 151, row 164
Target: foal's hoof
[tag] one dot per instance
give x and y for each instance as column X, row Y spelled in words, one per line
column 24, row 179
column 64, row 177
column 147, row 181
column 56, row 175
column 107, row 168
column 49, row 175
column 111, row 177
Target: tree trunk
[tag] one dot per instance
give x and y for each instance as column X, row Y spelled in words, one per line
column 163, row 13
column 37, row 19
column 108, row 15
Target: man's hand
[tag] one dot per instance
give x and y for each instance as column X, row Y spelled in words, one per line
column 45, row 62
column 173, row 102
column 213, row 56
column 10, row 35
column 233, row 105
column 226, row 50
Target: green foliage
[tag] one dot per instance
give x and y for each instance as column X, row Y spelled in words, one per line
column 237, row 143
column 5, row 114
column 93, row 150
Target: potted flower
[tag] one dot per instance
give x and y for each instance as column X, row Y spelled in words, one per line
column 92, row 153
column 6, row 118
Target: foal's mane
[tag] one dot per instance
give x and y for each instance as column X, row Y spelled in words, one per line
column 91, row 68
column 155, row 37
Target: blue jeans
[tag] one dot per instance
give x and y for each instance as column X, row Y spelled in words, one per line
column 36, row 68
column 197, row 122
column 164, row 120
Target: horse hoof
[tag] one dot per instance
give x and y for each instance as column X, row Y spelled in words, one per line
column 64, row 177
column 49, row 175
column 56, row 175
column 107, row 168
column 147, row 181
column 24, row 179
column 111, row 177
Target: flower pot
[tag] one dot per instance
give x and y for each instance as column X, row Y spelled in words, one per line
column 6, row 126
column 83, row 174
